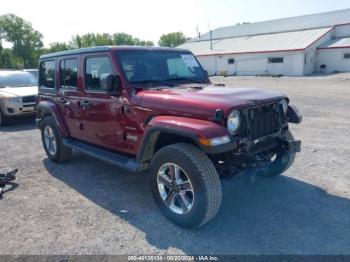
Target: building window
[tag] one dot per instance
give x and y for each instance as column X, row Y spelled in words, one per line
column 275, row 60
column 47, row 74
column 69, row 73
column 347, row 56
column 231, row 61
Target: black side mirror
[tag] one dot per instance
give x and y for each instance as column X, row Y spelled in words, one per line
column 110, row 84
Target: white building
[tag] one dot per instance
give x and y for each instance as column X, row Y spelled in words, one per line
column 296, row 46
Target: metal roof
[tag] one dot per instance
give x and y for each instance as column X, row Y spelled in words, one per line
column 291, row 41
column 337, row 43
column 105, row 49
column 298, row 23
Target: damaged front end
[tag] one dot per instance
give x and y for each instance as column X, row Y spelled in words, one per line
column 264, row 144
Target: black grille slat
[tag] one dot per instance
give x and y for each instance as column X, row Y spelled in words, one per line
column 264, row 121
column 28, row 99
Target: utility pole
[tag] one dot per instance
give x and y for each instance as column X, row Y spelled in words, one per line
column 211, row 40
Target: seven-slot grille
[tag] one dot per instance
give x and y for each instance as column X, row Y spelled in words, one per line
column 265, row 120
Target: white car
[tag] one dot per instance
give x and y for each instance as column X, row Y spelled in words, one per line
column 18, row 92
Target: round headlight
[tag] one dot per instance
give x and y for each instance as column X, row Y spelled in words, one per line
column 233, row 122
column 284, row 104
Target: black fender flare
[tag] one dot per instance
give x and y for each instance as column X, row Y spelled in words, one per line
column 45, row 108
column 153, row 131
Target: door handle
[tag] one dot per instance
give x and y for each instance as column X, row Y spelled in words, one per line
column 63, row 101
column 85, row 103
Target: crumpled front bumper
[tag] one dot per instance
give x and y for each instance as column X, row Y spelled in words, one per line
column 292, row 145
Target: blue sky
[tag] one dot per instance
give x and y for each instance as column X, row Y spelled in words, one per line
column 59, row 20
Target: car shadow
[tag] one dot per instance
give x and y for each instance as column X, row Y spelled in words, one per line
column 272, row 216
column 18, row 124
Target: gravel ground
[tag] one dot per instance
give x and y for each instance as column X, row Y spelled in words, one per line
column 74, row 208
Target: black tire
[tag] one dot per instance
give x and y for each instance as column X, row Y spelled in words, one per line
column 2, row 119
column 282, row 162
column 62, row 153
column 207, row 192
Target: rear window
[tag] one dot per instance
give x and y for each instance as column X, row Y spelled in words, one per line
column 47, row 74
column 17, row 79
column 347, row 56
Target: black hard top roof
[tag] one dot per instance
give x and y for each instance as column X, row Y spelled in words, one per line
column 108, row 48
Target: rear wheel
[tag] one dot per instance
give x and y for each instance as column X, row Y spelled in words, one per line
column 52, row 141
column 185, row 185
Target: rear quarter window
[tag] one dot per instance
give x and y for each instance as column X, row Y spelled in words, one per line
column 47, row 71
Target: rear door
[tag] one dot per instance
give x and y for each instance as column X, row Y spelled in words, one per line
column 68, row 98
column 101, row 114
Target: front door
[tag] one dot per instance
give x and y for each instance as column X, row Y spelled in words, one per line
column 101, row 114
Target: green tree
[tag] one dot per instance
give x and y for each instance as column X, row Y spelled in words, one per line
column 55, row 47
column 58, row 46
column 8, row 60
column 90, row 39
column 26, row 42
column 123, row 39
column 139, row 42
column 172, row 39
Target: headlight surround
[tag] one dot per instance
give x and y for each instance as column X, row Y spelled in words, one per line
column 15, row 100
column 284, row 104
column 233, row 122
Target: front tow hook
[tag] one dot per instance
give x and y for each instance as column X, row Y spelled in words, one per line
column 293, row 145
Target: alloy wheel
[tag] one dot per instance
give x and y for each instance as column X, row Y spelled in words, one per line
column 50, row 140
column 175, row 188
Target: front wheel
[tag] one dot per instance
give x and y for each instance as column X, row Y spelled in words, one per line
column 281, row 162
column 185, row 185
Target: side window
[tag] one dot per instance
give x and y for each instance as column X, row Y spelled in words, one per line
column 69, row 73
column 94, row 68
column 47, row 74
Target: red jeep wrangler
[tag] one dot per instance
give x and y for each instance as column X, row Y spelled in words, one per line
column 155, row 109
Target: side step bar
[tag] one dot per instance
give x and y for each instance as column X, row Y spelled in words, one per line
column 129, row 164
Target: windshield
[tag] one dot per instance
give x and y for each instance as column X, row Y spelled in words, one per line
column 141, row 66
column 19, row 79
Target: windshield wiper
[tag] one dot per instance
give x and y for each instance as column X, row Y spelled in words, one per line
column 185, row 79
column 152, row 81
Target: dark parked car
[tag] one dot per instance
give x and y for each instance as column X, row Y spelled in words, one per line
column 155, row 109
